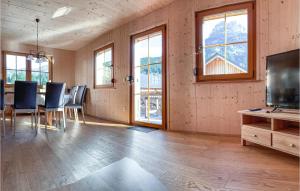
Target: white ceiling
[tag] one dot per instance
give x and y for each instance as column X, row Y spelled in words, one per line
column 87, row 20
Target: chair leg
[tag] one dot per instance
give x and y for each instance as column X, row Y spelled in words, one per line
column 46, row 121
column 35, row 122
column 31, row 115
column 11, row 117
column 70, row 112
column 3, row 121
column 75, row 118
column 64, row 120
column 39, row 118
column 82, row 112
column 55, row 118
column 15, row 114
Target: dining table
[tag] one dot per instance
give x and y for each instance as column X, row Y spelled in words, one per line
column 40, row 100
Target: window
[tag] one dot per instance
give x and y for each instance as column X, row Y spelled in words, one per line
column 104, row 73
column 40, row 72
column 225, row 43
column 17, row 67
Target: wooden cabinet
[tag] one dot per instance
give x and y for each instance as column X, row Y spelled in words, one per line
column 256, row 135
column 286, row 143
column 279, row 131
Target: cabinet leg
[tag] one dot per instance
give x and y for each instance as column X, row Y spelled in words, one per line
column 243, row 142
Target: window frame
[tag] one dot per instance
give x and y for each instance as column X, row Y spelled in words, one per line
column 112, row 83
column 250, row 6
column 28, row 67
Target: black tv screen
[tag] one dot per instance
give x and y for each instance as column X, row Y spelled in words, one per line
column 283, row 80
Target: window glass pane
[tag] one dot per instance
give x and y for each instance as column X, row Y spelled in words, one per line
column 144, row 78
column 44, row 66
column 141, row 52
column 44, row 78
column 108, row 55
column 99, row 60
column 155, row 48
column 107, row 64
column 107, row 75
column 237, row 58
column 35, row 76
column 237, row 26
column 213, row 30
column 11, row 62
column 155, row 78
column 104, row 76
column 140, row 107
column 141, row 79
column 214, row 60
column 21, row 62
column 155, row 108
column 21, row 75
column 35, row 66
column 11, row 76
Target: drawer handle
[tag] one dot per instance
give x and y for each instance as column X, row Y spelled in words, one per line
column 254, row 135
column 292, row 145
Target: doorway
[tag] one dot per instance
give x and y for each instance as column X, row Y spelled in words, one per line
column 148, row 69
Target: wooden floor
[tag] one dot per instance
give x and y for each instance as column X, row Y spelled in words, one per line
column 107, row 156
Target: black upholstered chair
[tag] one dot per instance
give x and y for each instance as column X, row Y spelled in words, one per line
column 24, row 100
column 71, row 99
column 2, row 104
column 54, row 102
column 79, row 102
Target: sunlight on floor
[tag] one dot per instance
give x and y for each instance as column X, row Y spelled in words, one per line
column 49, row 127
column 105, row 124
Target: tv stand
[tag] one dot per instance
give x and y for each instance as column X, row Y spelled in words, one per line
column 278, row 131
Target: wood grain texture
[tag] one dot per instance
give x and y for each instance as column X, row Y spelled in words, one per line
column 84, row 23
column 180, row 161
column 200, row 107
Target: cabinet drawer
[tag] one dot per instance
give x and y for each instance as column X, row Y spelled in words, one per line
column 286, row 143
column 256, row 135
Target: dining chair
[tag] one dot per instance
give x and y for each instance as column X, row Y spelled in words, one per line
column 79, row 102
column 2, row 104
column 71, row 100
column 24, row 101
column 54, row 102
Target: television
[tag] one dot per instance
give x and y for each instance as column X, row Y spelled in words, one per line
column 283, row 80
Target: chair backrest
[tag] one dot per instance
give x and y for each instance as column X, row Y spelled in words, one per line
column 73, row 92
column 25, row 95
column 2, row 93
column 80, row 95
column 55, row 95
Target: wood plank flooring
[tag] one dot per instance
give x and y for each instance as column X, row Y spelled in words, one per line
column 180, row 161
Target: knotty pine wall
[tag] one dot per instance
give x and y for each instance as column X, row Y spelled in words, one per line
column 197, row 107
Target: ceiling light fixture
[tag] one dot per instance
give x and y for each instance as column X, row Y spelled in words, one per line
column 61, row 12
column 40, row 56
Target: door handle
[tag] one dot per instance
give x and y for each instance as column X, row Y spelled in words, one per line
column 129, row 79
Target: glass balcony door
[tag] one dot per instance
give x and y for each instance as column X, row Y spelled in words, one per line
column 148, row 74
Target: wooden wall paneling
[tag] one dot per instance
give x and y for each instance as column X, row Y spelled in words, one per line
column 262, row 37
column 181, row 50
column 201, row 107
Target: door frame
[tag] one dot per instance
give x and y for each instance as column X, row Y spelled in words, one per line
column 162, row 28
